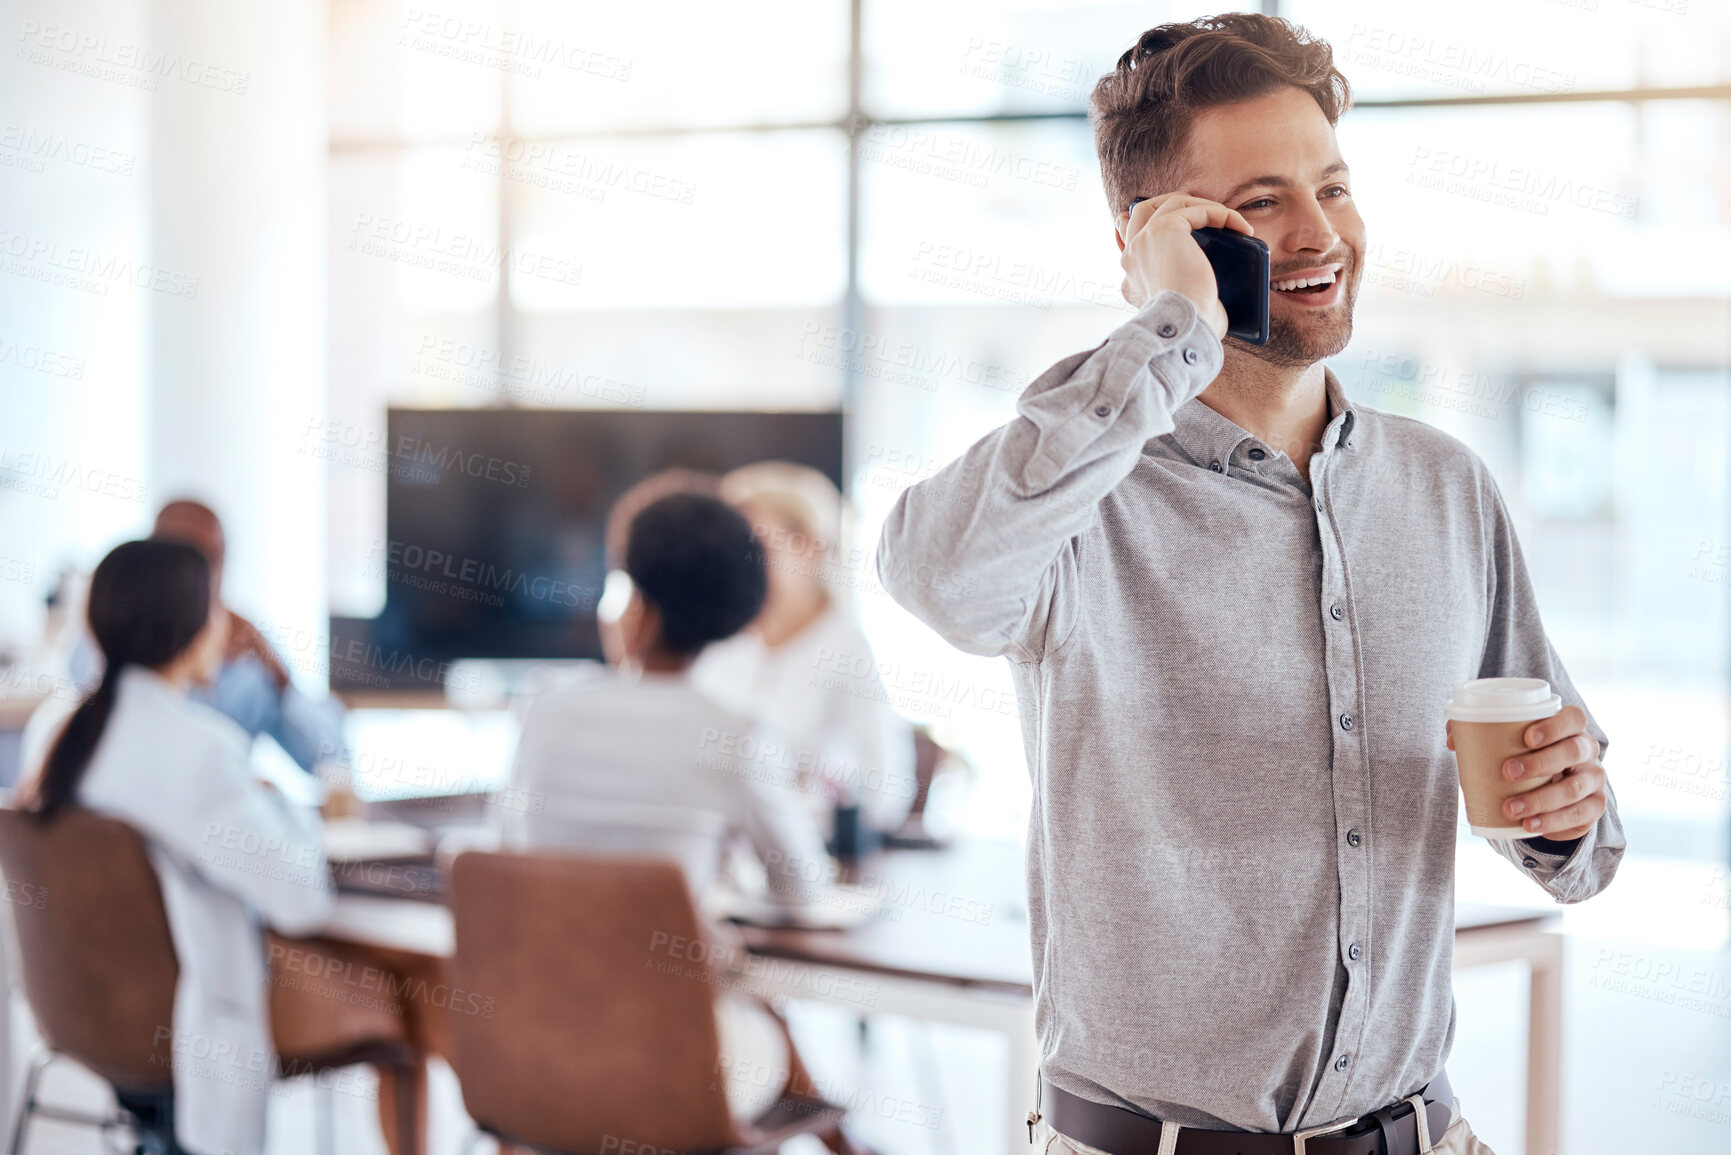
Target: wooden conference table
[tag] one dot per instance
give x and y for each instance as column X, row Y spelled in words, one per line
column 951, row 945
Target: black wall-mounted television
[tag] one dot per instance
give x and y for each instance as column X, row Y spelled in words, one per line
column 495, row 517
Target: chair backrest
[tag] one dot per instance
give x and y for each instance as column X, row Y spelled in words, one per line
column 94, row 945
column 691, row 836
column 585, row 1004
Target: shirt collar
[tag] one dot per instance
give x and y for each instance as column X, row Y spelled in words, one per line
column 1209, row 437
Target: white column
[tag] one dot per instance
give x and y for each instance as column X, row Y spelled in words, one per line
column 73, row 191
column 237, row 373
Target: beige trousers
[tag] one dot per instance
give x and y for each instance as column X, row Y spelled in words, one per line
column 1457, row 1140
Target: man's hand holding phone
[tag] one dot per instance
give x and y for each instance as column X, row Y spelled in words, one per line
column 1160, row 253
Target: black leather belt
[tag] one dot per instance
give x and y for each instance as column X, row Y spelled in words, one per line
column 1391, row 1130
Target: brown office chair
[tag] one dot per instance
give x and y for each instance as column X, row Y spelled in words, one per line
column 99, row 966
column 590, row 1043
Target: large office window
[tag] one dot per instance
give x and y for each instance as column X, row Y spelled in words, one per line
column 895, row 206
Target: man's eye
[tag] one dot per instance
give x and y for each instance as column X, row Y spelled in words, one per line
column 1255, row 204
column 1336, row 191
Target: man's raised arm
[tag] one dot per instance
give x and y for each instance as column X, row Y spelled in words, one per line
column 978, row 550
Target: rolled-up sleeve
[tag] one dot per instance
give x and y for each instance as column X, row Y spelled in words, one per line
column 979, row 550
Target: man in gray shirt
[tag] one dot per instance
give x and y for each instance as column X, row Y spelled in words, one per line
column 1234, row 603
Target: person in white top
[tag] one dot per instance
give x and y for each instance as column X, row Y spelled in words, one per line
column 855, row 744
column 636, row 758
column 635, row 761
column 231, row 854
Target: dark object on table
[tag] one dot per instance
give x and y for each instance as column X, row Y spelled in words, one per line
column 419, row 878
column 851, row 837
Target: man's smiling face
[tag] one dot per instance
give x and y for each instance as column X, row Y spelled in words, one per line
column 1276, row 161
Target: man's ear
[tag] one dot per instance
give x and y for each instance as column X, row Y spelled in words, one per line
column 1118, row 225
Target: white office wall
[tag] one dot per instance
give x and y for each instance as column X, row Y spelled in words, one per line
column 238, row 373
column 74, row 178
column 162, row 296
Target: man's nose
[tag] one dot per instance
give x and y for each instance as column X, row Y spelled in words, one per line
column 1311, row 230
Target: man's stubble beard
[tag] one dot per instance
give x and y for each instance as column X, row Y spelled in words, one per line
column 1292, row 345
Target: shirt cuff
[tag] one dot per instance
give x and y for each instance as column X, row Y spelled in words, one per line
column 1173, row 341
column 1554, row 865
column 1542, row 862
column 1550, row 846
column 1170, row 341
column 1186, row 352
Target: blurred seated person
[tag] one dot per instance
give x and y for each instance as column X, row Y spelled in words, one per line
column 231, row 854
column 636, row 761
column 773, row 671
column 253, row 686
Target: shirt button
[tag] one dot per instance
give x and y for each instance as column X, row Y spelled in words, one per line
column 1168, row 330
column 1191, row 356
column 1103, row 411
column 1340, row 1063
column 1257, row 455
column 1352, row 952
column 1529, row 863
column 1215, row 466
column 1346, row 721
column 1319, row 507
column 1336, row 612
column 1352, row 838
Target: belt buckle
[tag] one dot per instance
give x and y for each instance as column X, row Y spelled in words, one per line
column 1299, row 1137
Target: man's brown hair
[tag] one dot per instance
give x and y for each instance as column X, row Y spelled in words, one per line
column 1142, row 110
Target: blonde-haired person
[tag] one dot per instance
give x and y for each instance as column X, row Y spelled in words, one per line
column 850, row 746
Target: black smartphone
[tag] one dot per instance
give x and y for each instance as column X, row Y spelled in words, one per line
column 1241, row 272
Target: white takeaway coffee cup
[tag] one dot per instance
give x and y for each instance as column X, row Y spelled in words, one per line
column 1489, row 717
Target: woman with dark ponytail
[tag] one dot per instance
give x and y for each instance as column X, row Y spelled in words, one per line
column 149, row 602
column 232, row 854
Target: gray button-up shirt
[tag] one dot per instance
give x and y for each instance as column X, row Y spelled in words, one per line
column 1231, row 678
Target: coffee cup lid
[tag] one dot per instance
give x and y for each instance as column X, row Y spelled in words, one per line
column 1503, row 700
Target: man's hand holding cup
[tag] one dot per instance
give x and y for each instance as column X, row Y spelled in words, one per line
column 1160, row 253
column 1553, row 785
